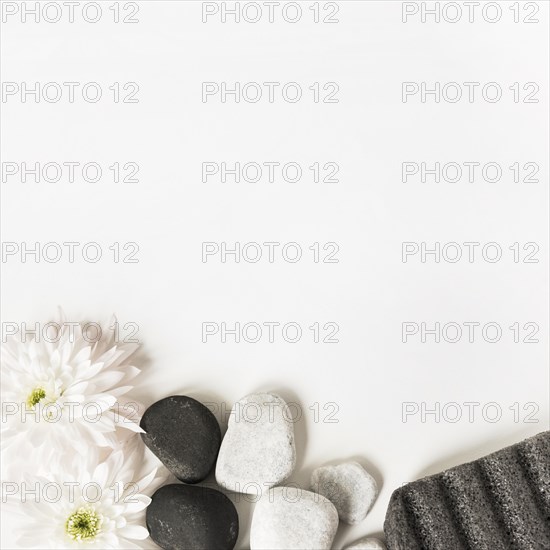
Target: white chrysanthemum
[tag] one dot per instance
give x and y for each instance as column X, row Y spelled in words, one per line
column 88, row 503
column 67, row 394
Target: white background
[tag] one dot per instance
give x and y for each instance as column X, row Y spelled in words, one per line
column 370, row 212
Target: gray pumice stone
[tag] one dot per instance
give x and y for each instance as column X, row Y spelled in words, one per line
column 498, row 502
column 184, row 435
column 190, row 517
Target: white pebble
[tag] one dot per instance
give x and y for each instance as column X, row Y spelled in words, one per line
column 258, row 450
column 288, row 518
column 367, row 543
column 349, row 487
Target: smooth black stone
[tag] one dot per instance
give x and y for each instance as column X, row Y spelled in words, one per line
column 184, row 435
column 184, row 517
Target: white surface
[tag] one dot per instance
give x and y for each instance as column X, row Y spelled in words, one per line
column 369, row 213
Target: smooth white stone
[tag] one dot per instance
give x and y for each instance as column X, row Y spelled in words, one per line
column 367, row 543
column 258, row 450
column 287, row 518
column 349, row 487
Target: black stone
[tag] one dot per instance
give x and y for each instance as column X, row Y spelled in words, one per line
column 499, row 502
column 184, row 435
column 185, row 517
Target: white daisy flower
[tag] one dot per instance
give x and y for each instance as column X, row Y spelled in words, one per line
column 66, row 393
column 88, row 503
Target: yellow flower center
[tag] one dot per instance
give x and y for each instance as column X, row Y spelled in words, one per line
column 36, row 396
column 84, row 524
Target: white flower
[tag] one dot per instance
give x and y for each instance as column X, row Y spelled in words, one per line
column 66, row 393
column 88, row 503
